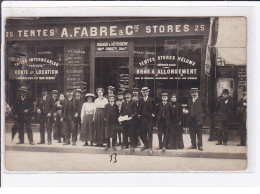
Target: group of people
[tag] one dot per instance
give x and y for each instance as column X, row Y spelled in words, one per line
column 127, row 118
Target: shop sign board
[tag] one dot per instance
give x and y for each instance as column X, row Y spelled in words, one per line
column 149, row 28
column 111, row 46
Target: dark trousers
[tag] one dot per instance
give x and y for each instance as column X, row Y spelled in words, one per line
column 129, row 131
column 71, row 129
column 113, row 142
column 58, row 128
column 222, row 131
column 163, row 130
column 147, row 132
column 195, row 130
column 242, row 132
column 45, row 123
column 27, row 123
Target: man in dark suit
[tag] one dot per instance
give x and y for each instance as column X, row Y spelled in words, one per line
column 136, row 97
column 242, row 117
column 80, row 101
column 23, row 109
column 129, row 108
column 224, row 112
column 54, row 99
column 70, row 114
column 44, row 109
column 146, row 113
column 163, row 121
column 195, row 115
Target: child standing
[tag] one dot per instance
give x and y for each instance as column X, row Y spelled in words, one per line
column 111, row 121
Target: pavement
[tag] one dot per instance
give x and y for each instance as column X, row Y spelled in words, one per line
column 49, row 162
column 231, row 151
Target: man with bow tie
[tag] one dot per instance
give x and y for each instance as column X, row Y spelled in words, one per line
column 195, row 115
column 224, row 113
column 23, row 109
column 44, row 109
column 69, row 115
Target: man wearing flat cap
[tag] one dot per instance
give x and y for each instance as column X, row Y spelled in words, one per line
column 195, row 115
column 54, row 99
column 70, row 116
column 80, row 101
column 163, row 121
column 146, row 114
column 110, row 91
column 44, row 109
column 224, row 113
column 129, row 108
column 23, row 109
column 136, row 97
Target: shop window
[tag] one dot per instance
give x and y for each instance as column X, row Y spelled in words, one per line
column 168, row 65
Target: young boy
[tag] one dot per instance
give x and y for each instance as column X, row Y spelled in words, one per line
column 163, row 121
column 111, row 120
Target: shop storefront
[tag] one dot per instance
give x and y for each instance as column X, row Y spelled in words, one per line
column 165, row 54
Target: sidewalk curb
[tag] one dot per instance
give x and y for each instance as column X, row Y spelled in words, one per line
column 94, row 150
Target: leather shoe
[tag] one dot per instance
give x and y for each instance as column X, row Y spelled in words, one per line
column 200, row 149
column 192, row 147
column 144, row 148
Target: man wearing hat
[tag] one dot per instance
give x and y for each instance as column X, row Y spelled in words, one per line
column 136, row 98
column 23, row 109
column 146, row 113
column 70, row 114
column 110, row 90
column 119, row 102
column 195, row 116
column 54, row 99
column 80, row 101
column 163, row 121
column 224, row 113
column 129, row 108
column 44, row 109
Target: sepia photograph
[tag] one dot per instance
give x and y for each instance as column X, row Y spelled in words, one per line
column 135, row 94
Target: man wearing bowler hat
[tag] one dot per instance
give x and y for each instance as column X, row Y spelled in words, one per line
column 195, row 115
column 44, row 109
column 163, row 121
column 70, row 116
column 146, row 114
column 23, row 109
column 224, row 113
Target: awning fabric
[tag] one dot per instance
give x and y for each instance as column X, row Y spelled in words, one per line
column 231, row 40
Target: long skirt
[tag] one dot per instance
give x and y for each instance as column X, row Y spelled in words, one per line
column 175, row 140
column 87, row 128
column 99, row 129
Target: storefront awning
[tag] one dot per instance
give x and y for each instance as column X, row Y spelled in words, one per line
column 231, row 40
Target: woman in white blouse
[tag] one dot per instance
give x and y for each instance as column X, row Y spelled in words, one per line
column 99, row 125
column 87, row 116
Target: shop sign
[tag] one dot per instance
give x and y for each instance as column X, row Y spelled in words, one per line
column 167, row 67
column 33, row 69
column 111, row 46
column 157, row 27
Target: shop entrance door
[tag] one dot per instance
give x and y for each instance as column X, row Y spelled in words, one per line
column 108, row 72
